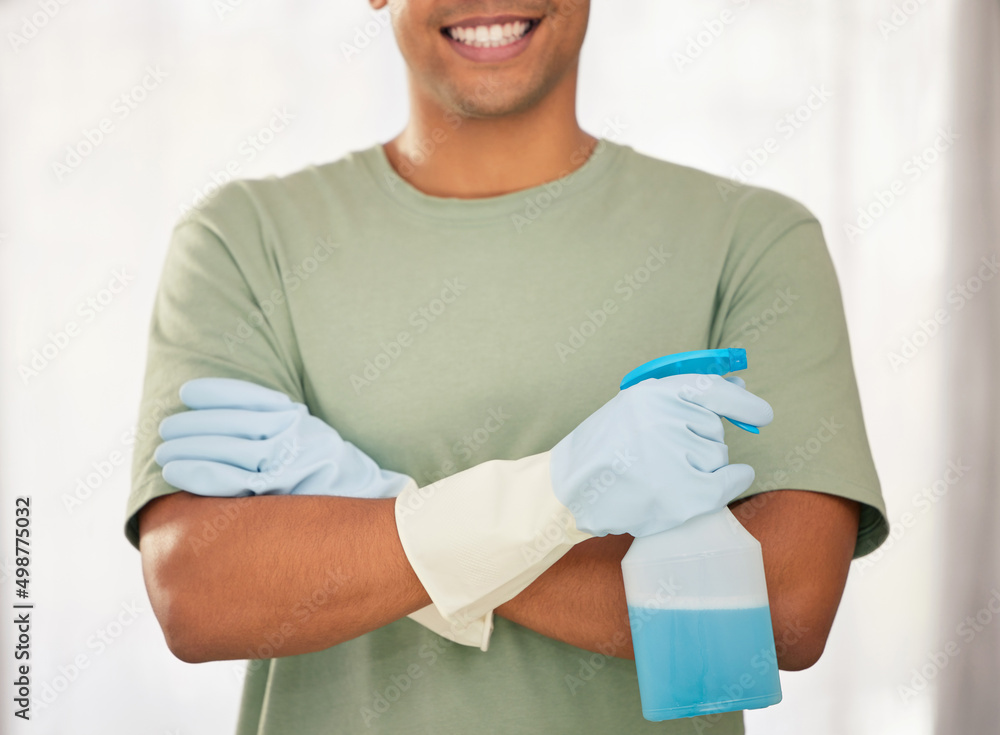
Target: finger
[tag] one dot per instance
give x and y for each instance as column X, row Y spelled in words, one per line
column 244, row 424
column 392, row 484
column 734, row 480
column 729, row 400
column 232, row 393
column 210, row 478
column 707, row 425
column 246, row 454
column 353, row 474
column 708, row 456
column 736, row 380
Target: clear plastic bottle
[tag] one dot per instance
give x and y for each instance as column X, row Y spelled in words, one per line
column 697, row 598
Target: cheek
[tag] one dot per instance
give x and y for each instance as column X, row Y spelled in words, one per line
column 570, row 19
column 409, row 29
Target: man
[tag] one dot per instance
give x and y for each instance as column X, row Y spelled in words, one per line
column 471, row 292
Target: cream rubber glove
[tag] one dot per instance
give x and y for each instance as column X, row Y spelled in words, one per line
column 649, row 459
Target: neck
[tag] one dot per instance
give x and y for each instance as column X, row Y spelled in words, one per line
column 444, row 154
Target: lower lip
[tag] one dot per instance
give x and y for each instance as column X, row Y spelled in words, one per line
column 494, row 53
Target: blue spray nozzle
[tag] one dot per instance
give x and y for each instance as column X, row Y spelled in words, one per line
column 737, row 359
column 700, row 362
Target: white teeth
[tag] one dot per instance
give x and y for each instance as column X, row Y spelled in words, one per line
column 490, row 36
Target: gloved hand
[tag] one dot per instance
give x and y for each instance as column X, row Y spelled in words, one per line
column 245, row 439
column 648, row 460
column 654, row 455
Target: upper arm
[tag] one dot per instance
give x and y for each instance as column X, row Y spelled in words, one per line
column 162, row 523
column 807, row 539
column 210, row 320
column 816, row 501
column 779, row 298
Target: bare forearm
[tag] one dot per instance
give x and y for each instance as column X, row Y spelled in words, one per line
column 807, row 540
column 271, row 576
column 580, row 600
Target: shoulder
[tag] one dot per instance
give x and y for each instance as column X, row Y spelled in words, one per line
column 747, row 210
column 246, row 203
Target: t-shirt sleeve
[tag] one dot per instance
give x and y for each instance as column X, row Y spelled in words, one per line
column 219, row 311
column 780, row 300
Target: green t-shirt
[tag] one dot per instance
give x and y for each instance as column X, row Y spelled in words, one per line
column 438, row 333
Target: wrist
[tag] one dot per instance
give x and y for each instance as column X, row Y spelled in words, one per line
column 477, row 538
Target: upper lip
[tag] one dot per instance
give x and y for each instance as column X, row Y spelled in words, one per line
column 488, row 20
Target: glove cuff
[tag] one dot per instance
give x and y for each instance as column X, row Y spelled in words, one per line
column 478, row 538
column 476, row 633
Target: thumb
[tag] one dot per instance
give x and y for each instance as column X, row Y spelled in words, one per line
column 734, row 480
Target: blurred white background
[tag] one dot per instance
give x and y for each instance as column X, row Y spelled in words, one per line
column 878, row 78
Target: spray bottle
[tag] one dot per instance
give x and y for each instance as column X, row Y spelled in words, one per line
column 697, row 598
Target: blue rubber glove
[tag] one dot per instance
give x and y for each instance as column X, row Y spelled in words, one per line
column 244, row 439
column 654, row 456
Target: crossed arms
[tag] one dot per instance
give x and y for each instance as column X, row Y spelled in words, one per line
column 220, row 595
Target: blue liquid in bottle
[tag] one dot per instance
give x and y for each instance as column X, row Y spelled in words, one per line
column 696, row 662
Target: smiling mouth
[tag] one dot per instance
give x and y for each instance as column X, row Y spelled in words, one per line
column 490, row 35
